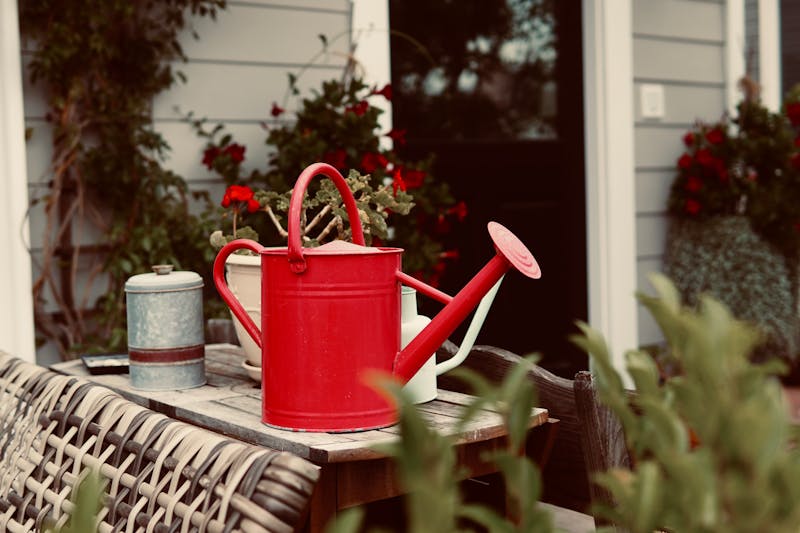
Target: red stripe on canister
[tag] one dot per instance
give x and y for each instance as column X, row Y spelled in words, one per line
column 166, row 355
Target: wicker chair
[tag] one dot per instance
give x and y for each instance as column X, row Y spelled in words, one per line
column 159, row 474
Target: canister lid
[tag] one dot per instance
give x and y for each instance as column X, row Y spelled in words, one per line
column 163, row 278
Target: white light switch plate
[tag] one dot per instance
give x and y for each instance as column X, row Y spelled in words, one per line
column 652, row 100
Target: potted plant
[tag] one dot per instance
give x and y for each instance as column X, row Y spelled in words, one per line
column 735, row 218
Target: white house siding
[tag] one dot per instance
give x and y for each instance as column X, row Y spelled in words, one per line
column 239, row 66
column 235, row 70
column 680, row 45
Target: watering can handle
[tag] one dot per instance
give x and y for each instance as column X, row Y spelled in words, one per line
column 225, row 291
column 472, row 332
column 297, row 262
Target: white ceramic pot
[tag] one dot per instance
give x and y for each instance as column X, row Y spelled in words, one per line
column 243, row 273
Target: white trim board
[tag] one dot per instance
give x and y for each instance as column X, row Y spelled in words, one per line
column 610, row 193
column 769, row 53
column 16, row 299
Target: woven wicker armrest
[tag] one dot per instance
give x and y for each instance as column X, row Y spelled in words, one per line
column 160, row 475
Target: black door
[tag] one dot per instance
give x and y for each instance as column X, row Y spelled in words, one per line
column 493, row 88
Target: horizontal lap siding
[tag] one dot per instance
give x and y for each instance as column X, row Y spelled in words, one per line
column 235, row 70
column 678, row 44
column 240, row 66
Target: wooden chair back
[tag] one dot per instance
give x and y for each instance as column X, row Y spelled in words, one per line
column 589, row 439
column 159, row 474
column 564, row 474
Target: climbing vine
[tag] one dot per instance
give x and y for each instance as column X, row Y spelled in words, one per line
column 100, row 63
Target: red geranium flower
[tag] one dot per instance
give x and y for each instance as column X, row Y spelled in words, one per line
column 692, row 206
column 237, row 193
column 685, row 161
column 398, row 136
column 371, row 161
column 209, row 156
column 397, row 181
column 459, row 210
column 386, row 92
column 793, row 112
column 359, row 109
column 236, row 151
column 688, row 139
column 715, row 136
column 276, row 110
column 414, row 178
column 253, row 205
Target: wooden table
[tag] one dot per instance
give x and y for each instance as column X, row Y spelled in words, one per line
column 352, row 473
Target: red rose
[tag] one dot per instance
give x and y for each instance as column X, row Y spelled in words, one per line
column 692, row 206
column 715, row 136
column 209, row 156
column 685, row 161
column 793, row 112
column 693, row 184
column 386, row 92
column 276, row 110
column 398, row 136
column 236, row 151
column 371, row 161
column 337, row 158
column 414, row 178
column 688, row 139
column 359, row 109
column 705, row 158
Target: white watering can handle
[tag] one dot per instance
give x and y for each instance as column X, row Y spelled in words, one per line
column 472, row 331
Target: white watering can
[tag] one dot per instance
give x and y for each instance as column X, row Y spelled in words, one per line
column 422, row 387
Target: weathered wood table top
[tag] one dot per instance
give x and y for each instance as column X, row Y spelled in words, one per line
column 352, row 472
column 230, row 403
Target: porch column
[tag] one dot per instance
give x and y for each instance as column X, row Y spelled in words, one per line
column 16, row 301
column 610, row 195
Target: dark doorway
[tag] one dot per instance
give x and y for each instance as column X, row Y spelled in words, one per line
column 493, row 88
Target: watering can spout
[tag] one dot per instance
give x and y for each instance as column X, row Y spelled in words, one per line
column 510, row 253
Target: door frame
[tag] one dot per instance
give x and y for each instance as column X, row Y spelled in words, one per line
column 610, row 186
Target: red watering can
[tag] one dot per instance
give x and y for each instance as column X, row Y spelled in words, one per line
column 333, row 312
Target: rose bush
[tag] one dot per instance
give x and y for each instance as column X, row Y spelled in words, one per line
column 735, row 228
column 748, row 166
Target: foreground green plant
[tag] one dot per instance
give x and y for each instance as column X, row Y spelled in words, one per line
column 426, row 463
column 713, row 446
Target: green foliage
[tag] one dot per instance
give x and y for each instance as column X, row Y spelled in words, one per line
column 86, row 502
column 338, row 125
column 713, row 447
column 100, row 63
column 426, row 462
column 725, row 258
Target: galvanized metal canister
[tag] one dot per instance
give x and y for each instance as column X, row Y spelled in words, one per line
column 166, row 347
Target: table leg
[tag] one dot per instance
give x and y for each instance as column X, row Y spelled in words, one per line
column 324, row 500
